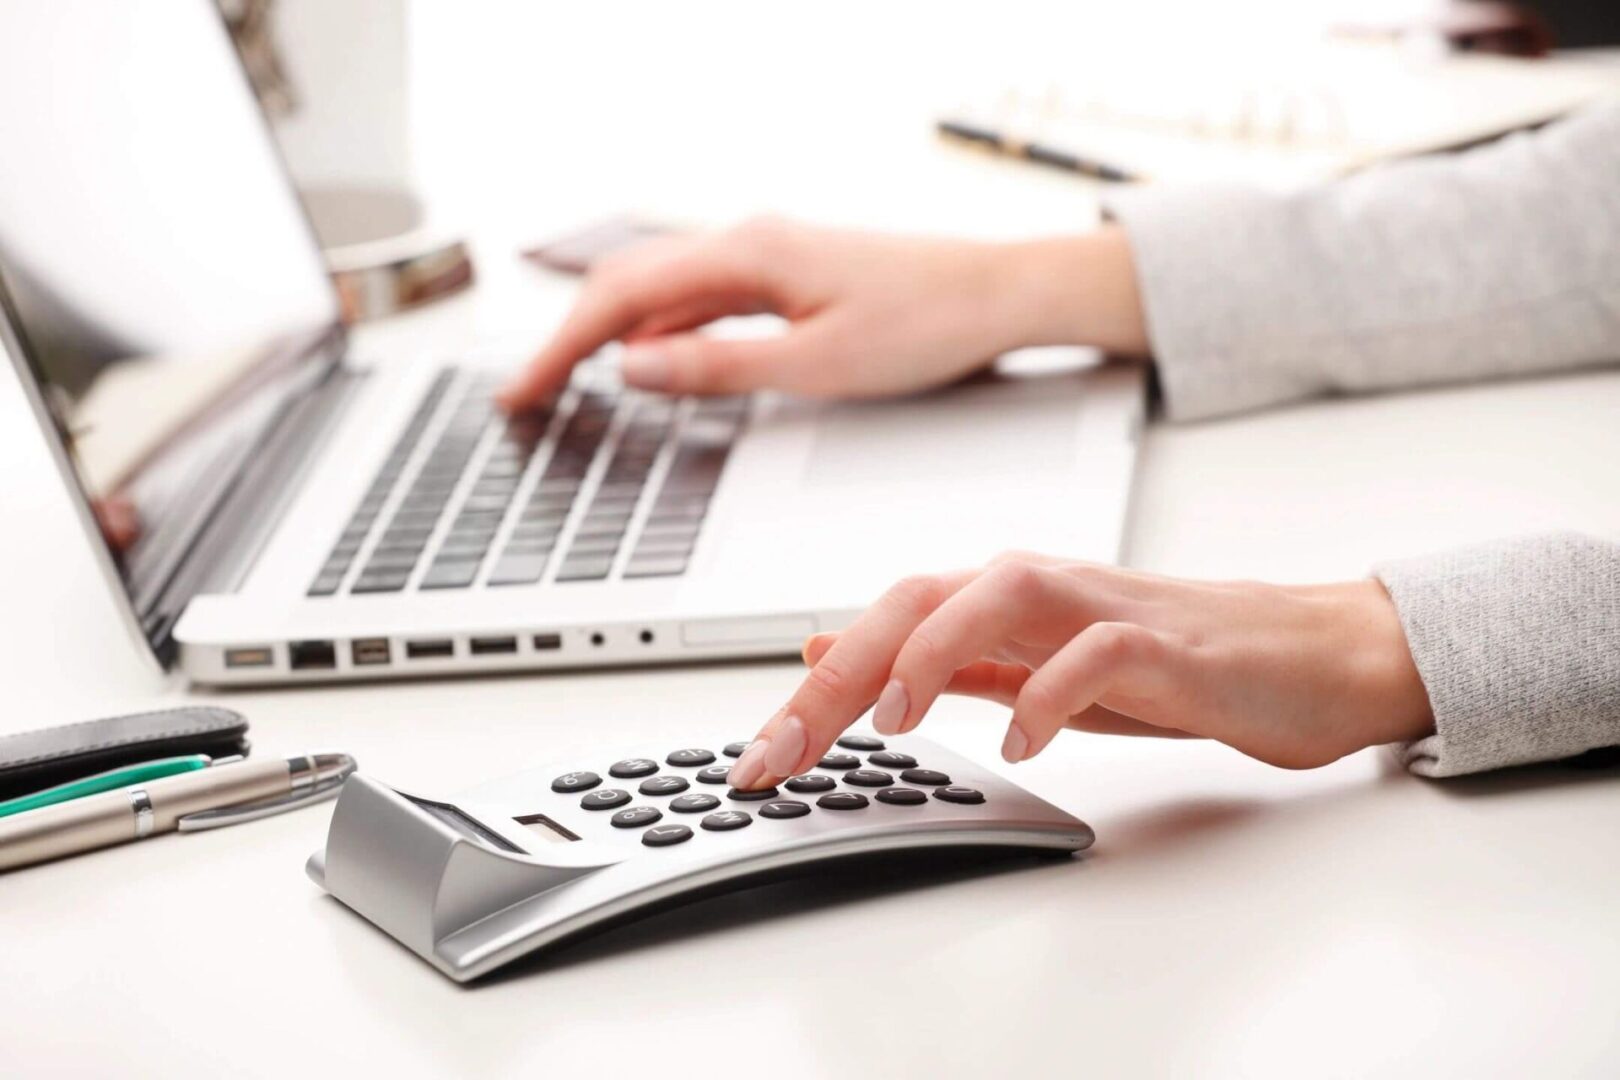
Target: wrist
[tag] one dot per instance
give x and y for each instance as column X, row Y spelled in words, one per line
column 1391, row 698
column 1073, row 290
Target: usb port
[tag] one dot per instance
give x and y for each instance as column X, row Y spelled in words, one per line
column 370, row 651
column 257, row 656
column 492, row 646
column 430, row 650
column 312, row 655
column 547, row 642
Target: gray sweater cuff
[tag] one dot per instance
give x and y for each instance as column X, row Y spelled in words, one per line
column 1518, row 644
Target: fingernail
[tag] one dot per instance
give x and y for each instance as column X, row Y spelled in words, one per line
column 645, row 366
column 890, row 712
column 1015, row 745
column 750, row 766
column 786, row 748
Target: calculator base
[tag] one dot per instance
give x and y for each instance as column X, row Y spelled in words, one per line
column 523, row 863
column 494, row 943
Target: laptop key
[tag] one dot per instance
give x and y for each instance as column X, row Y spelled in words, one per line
column 585, row 568
column 594, row 545
column 529, row 547
column 519, row 569
column 381, row 581
column 655, row 566
column 663, row 548
column 386, row 561
column 326, row 584
column 450, row 574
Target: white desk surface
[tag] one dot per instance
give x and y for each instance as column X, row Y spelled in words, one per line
column 1232, row 919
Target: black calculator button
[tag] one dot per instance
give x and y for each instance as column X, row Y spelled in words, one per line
column 735, row 749
column 630, row 768
column 664, row 785
column 889, row 759
column 902, row 796
column 605, row 799
column 665, row 835
column 752, row 796
column 636, row 817
column 840, row 761
column 570, row 782
column 714, row 774
column 843, row 800
column 695, row 803
column 860, row 742
column 726, row 820
column 810, row 783
column 868, row 778
column 925, row 776
column 786, row 808
column 690, row 757
column 959, row 794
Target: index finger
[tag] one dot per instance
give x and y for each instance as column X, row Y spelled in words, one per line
column 617, row 298
column 843, row 683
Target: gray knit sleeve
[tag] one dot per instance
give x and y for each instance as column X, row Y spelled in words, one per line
column 1518, row 644
column 1503, row 260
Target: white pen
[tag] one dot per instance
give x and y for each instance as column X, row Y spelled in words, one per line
column 207, row 798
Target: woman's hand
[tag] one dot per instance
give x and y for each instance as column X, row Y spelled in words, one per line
column 1297, row 676
column 868, row 314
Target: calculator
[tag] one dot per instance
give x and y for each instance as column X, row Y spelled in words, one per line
column 523, row 863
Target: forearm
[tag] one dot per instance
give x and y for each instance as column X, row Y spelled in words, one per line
column 1499, row 261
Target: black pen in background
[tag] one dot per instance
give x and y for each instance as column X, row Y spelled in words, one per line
column 1035, row 152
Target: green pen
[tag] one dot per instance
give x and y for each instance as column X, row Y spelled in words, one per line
column 110, row 780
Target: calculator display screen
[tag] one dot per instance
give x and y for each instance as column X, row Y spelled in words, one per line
column 543, row 828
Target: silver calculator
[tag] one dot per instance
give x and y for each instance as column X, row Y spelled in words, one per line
column 476, row 880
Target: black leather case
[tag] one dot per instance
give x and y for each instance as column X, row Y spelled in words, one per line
column 32, row 760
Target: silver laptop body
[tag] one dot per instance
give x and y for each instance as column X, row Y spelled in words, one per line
column 276, row 510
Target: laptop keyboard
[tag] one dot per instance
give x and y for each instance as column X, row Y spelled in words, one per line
column 506, row 502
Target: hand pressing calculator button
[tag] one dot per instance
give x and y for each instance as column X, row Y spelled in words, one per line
column 695, row 803
column 473, row 880
column 575, row 781
column 605, row 799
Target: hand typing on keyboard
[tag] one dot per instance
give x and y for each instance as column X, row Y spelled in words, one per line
column 869, row 315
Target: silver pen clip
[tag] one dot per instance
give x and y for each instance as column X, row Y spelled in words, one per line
column 320, row 778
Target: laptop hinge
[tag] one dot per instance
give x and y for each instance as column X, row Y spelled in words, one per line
column 248, row 512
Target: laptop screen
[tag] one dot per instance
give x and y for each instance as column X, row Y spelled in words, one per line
column 159, row 276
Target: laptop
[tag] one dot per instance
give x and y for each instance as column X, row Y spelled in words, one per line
column 275, row 509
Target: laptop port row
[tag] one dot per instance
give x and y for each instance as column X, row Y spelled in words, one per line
column 318, row 655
